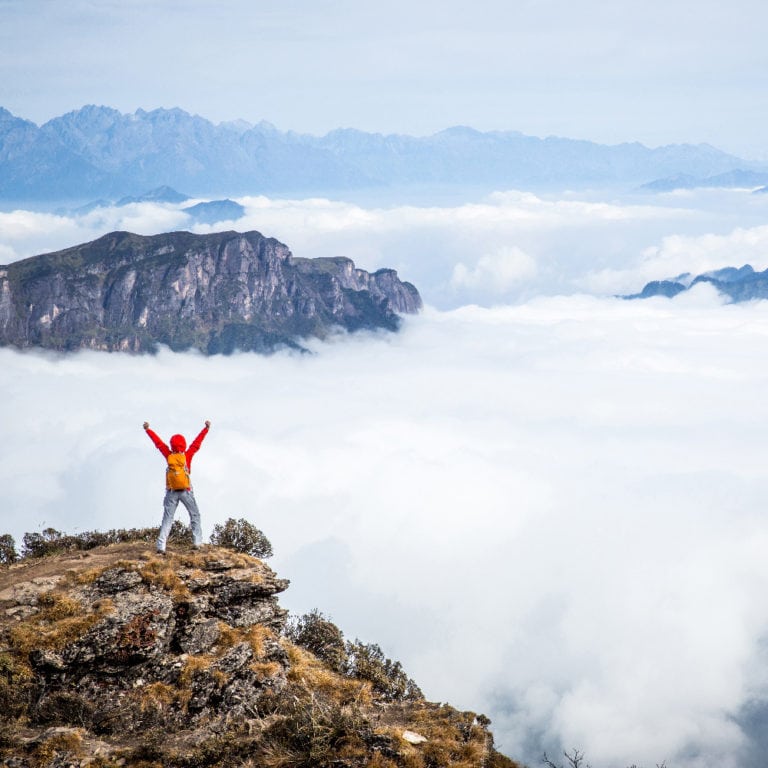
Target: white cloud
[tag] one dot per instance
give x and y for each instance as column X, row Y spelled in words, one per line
column 28, row 233
column 560, row 502
column 141, row 218
column 679, row 254
column 510, row 245
column 495, row 273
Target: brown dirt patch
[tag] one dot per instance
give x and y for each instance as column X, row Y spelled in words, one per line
column 53, row 565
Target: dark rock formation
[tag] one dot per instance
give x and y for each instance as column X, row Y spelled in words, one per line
column 668, row 288
column 737, row 284
column 215, row 293
column 214, row 211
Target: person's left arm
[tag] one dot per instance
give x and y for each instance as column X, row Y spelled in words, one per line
column 196, row 443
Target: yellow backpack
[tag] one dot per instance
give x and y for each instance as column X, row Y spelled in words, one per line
column 177, row 474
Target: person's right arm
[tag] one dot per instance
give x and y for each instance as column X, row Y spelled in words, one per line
column 159, row 444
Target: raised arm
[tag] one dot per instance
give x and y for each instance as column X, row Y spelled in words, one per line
column 197, row 442
column 159, row 444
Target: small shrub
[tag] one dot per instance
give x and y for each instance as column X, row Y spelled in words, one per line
column 64, row 708
column 47, row 542
column 8, row 552
column 319, row 635
column 59, row 748
column 497, row 760
column 180, row 534
column 242, row 536
column 315, row 731
column 367, row 661
column 307, row 673
column 53, row 542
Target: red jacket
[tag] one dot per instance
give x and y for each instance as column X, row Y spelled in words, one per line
column 178, row 445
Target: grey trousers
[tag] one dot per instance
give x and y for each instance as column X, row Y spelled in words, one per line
column 171, row 501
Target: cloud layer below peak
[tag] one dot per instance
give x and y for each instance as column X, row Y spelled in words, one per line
column 559, row 501
column 506, row 247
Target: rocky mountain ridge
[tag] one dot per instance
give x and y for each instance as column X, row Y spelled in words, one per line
column 216, row 293
column 737, row 284
column 120, row 657
column 98, row 152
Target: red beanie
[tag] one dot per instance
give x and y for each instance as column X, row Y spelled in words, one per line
column 178, row 444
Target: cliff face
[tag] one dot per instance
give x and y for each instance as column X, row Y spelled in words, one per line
column 215, row 293
column 119, row 657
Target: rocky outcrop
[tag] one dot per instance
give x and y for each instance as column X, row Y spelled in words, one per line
column 215, row 293
column 120, row 657
column 197, row 632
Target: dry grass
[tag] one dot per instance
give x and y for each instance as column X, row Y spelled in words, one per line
column 256, row 636
column 307, row 671
column 60, row 745
column 194, row 665
column 55, row 606
column 160, row 572
column 229, row 637
column 156, row 696
column 379, row 761
column 87, row 576
column 220, row 678
column 266, row 670
column 61, row 621
column 205, row 557
column 13, row 670
column 453, row 737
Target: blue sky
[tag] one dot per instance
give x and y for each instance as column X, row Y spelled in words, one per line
column 610, row 72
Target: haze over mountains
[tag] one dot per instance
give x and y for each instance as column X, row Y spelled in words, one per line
column 98, row 151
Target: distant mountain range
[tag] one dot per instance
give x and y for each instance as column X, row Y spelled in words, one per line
column 736, row 179
column 738, row 284
column 99, row 152
column 210, row 212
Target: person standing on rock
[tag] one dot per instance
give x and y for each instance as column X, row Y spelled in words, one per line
column 178, row 485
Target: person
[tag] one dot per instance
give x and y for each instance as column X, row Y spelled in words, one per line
column 183, row 493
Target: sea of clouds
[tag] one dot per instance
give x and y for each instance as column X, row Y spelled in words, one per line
column 501, row 248
column 550, row 508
